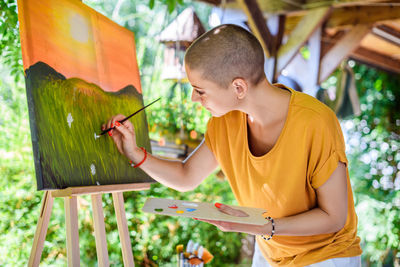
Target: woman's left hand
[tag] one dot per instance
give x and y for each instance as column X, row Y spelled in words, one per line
column 238, row 227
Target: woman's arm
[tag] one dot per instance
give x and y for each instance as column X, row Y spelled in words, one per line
column 179, row 175
column 329, row 217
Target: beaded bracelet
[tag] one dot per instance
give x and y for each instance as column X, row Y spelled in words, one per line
column 273, row 229
column 140, row 163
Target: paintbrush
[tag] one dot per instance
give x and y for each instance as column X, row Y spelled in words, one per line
column 127, row 118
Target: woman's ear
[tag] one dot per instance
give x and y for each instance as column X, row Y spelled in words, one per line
column 240, row 87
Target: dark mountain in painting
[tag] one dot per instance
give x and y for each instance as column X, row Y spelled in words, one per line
column 65, row 117
column 41, row 71
column 128, row 90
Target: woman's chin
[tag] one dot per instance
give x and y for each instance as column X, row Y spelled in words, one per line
column 214, row 113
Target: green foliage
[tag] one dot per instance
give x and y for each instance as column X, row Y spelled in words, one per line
column 305, row 52
column 19, row 207
column 177, row 112
column 171, row 4
column 10, row 47
column 373, row 150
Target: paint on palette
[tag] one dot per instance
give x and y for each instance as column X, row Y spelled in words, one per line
column 159, row 210
column 173, row 207
column 190, row 209
column 180, row 211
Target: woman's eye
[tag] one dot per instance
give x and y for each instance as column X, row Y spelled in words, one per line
column 200, row 93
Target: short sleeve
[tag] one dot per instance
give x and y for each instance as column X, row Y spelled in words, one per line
column 327, row 149
column 209, row 135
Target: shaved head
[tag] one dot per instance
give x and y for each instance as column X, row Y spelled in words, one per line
column 227, row 52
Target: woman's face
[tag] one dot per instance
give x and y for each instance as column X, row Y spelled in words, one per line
column 215, row 99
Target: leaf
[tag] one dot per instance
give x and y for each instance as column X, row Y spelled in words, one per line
column 151, row 4
column 171, row 5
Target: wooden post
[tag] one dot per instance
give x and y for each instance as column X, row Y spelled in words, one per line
column 41, row 230
column 71, row 223
column 126, row 247
column 314, row 45
column 276, row 25
column 99, row 231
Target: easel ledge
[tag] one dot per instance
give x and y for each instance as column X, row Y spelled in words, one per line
column 71, row 217
column 98, row 189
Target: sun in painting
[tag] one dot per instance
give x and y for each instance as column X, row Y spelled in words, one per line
column 79, row 28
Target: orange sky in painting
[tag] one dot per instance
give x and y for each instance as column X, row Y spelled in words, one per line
column 78, row 42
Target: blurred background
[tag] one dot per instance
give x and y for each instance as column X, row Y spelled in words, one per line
column 362, row 87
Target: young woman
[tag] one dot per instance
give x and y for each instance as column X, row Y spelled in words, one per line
column 281, row 150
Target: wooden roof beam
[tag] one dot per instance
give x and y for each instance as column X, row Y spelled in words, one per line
column 258, row 24
column 387, row 33
column 329, row 40
column 301, row 33
column 387, row 28
column 341, row 50
column 289, row 6
column 367, row 14
column 376, row 60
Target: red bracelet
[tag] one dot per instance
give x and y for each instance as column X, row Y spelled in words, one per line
column 140, row 163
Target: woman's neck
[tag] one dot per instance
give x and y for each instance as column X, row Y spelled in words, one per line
column 266, row 104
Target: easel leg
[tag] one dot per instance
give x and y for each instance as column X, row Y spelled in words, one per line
column 127, row 255
column 99, row 231
column 41, row 230
column 71, row 222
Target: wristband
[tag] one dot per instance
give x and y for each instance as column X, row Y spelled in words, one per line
column 273, row 229
column 140, row 163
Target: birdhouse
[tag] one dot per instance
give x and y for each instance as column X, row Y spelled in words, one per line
column 177, row 37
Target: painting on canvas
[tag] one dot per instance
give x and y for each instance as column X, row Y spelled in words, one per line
column 80, row 69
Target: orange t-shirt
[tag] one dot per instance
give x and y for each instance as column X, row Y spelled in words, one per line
column 284, row 181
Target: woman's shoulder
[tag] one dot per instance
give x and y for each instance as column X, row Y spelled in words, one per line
column 229, row 118
column 312, row 109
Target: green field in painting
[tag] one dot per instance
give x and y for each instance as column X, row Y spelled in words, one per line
column 67, row 114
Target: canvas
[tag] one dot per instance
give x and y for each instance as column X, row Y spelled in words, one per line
column 80, row 69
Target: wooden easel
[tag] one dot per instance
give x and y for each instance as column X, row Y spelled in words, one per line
column 71, row 217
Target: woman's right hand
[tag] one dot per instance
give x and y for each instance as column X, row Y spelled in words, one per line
column 123, row 135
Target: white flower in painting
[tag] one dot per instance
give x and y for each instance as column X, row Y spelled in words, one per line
column 92, row 169
column 69, row 119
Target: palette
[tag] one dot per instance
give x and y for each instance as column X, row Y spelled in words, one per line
column 202, row 210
